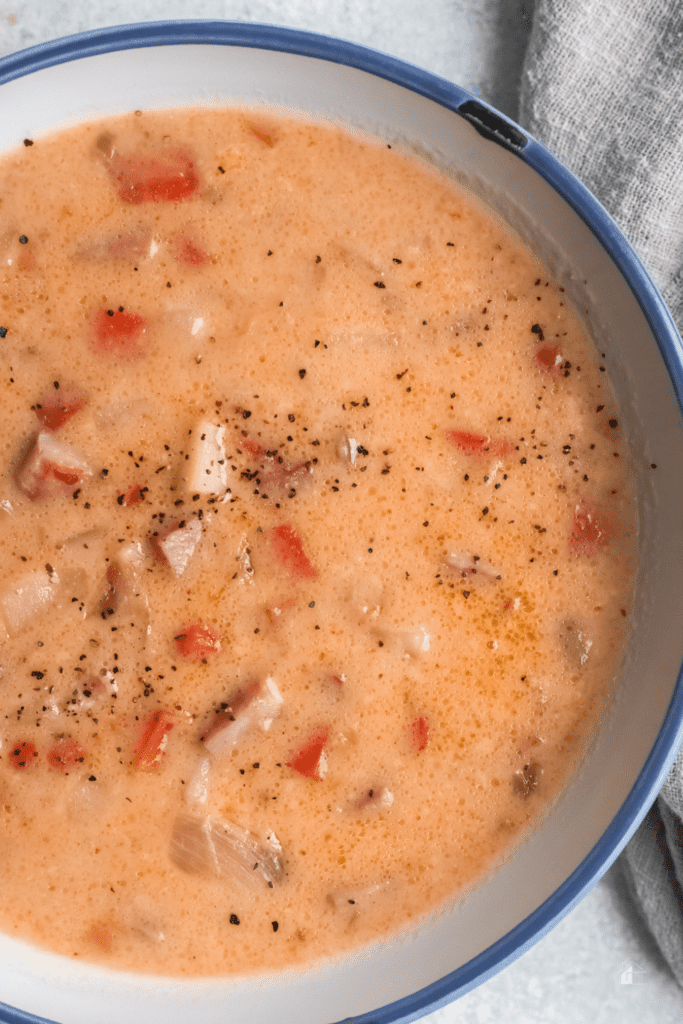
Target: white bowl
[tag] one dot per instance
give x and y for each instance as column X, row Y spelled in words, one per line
column 179, row 63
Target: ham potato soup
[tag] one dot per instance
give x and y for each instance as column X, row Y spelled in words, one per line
column 317, row 541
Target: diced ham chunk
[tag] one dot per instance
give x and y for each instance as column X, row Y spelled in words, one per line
column 288, row 550
column 158, row 175
column 418, row 733
column 119, row 333
column 589, row 530
column 264, row 134
column 251, row 706
column 481, row 446
column 135, row 495
column 50, row 468
column 66, row 754
column 22, row 755
column 197, row 641
column 280, row 479
column 176, row 543
column 549, row 359
column 221, row 849
column 276, row 477
column 310, row 760
column 57, row 405
column 188, row 252
column 150, row 749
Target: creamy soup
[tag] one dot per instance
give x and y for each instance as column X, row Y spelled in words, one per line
column 317, row 541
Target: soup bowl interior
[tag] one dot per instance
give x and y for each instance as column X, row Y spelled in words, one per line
column 151, row 67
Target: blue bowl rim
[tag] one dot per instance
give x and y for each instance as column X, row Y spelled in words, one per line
column 310, row 44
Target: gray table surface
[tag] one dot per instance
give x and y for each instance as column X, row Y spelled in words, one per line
column 597, row 966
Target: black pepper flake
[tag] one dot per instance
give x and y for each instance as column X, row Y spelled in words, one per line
column 614, row 423
column 380, row 284
column 599, row 408
column 28, row 142
column 485, row 511
column 221, row 169
column 110, row 312
column 426, row 522
column 536, row 329
column 3, row 332
column 234, row 919
column 466, row 593
column 275, row 925
column 302, row 374
column 23, row 239
column 397, row 261
column 311, row 604
column 92, row 778
column 318, row 259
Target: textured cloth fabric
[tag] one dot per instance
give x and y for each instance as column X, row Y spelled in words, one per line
column 602, row 87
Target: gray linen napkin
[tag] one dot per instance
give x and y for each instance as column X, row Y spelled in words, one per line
column 602, row 87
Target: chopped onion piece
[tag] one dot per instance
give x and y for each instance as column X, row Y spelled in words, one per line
column 366, row 595
column 254, row 705
column 50, row 468
column 25, row 601
column 347, row 449
column 131, row 555
column 120, row 414
column 88, row 798
column 353, row 900
column 176, row 543
column 132, row 246
column 576, row 644
column 206, row 470
column 414, row 642
column 197, row 787
column 471, row 566
column 374, row 797
column 226, row 851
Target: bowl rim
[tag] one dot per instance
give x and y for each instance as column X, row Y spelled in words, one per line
column 500, row 130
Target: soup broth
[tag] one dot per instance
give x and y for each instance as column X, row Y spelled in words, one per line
column 317, row 541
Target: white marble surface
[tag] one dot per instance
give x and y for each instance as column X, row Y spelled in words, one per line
column 597, row 966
